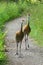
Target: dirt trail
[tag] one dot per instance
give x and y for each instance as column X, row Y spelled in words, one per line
column 33, row 56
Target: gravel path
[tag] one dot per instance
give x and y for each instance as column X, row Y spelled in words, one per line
column 32, row 56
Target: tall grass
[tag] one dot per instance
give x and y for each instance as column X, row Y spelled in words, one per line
column 7, row 12
column 37, row 23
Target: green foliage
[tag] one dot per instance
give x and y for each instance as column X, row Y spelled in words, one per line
column 22, row 6
column 3, row 58
column 7, row 13
column 37, row 23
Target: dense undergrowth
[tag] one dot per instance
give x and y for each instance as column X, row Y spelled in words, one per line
column 11, row 10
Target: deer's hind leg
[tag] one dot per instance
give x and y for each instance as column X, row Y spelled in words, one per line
column 25, row 43
column 16, row 48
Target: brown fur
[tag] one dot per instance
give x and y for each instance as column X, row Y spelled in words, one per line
column 19, row 36
column 26, row 29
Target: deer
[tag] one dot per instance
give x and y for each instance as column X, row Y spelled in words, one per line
column 19, row 38
column 27, row 30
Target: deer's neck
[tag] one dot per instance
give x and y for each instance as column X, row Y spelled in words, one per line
column 21, row 27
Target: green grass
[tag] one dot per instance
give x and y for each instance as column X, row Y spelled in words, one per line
column 37, row 23
column 2, row 7
column 7, row 12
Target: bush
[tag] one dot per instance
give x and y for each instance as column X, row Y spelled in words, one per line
column 22, row 6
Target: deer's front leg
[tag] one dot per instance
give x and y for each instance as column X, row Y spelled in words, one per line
column 20, row 50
